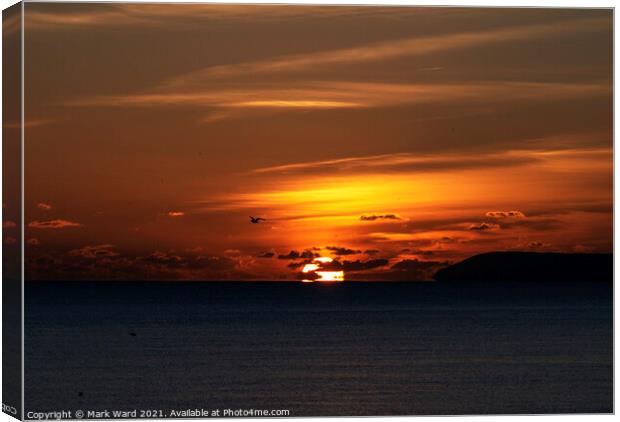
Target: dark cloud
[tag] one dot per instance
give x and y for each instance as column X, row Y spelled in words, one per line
column 505, row 214
column 374, row 217
column 414, row 269
column 297, row 264
column 363, row 265
column 483, row 226
column 307, row 254
column 352, row 266
column 216, row 263
column 103, row 262
column 266, row 255
column 93, row 252
column 165, row 259
column 371, row 251
column 341, row 251
column 537, row 245
column 423, row 252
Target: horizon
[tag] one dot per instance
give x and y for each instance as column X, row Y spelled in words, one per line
column 270, row 142
column 299, row 278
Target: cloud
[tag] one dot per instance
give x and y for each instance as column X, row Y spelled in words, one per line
column 414, row 269
column 483, row 227
column 387, row 50
column 266, row 255
column 505, row 214
column 537, row 245
column 103, row 262
column 8, row 224
column 43, row 206
column 27, row 124
column 53, row 224
column 374, row 217
column 324, row 94
column 33, row 241
column 346, row 266
column 340, row 251
column 307, row 254
column 352, row 266
column 93, row 252
column 297, row 264
column 174, row 16
column 371, row 251
column 407, row 162
column 9, row 240
column 213, row 263
column 176, row 213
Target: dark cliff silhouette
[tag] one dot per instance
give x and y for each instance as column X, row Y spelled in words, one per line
column 530, row 266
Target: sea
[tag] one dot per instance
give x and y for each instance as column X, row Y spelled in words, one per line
column 318, row 349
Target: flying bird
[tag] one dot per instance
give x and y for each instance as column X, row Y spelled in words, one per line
column 256, row 220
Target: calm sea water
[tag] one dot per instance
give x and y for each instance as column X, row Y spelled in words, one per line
column 343, row 349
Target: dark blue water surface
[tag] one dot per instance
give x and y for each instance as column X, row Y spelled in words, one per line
column 337, row 349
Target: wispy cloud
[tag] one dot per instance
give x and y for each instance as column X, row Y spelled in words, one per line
column 248, row 86
column 412, row 162
column 177, row 16
column 27, row 123
column 338, row 94
column 404, row 162
column 53, row 224
column 380, row 51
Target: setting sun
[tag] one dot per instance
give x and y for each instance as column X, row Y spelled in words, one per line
column 310, row 267
column 315, row 266
column 330, row 275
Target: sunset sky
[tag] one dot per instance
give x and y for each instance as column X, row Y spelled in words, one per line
column 393, row 140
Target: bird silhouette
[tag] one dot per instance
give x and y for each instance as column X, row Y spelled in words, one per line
column 256, row 220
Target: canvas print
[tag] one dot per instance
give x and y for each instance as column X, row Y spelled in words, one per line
column 216, row 210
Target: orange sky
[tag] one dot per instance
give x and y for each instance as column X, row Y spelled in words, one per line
column 394, row 140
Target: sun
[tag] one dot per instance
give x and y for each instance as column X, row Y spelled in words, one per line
column 330, row 275
column 309, row 268
column 315, row 267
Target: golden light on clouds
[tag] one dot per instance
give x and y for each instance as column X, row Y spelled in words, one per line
column 393, row 150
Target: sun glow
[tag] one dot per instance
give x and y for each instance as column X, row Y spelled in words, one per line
column 330, row 275
column 309, row 267
column 323, row 275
